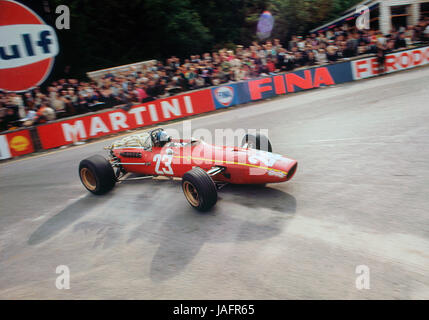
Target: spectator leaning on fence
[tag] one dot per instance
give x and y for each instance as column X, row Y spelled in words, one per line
column 68, row 97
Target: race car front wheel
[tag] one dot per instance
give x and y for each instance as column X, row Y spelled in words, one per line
column 97, row 175
column 257, row 141
column 199, row 189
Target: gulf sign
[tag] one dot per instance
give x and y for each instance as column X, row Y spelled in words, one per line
column 27, row 47
column 15, row 144
column 96, row 125
column 365, row 68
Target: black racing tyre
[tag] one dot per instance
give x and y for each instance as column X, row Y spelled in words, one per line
column 199, row 189
column 257, row 141
column 97, row 175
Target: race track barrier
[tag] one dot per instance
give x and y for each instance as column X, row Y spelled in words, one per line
column 96, row 125
column 68, row 131
column 402, row 60
column 16, row 143
column 267, row 87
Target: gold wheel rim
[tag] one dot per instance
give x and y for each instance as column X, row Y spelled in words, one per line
column 191, row 193
column 88, row 179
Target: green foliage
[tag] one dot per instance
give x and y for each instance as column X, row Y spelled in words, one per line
column 298, row 17
column 111, row 32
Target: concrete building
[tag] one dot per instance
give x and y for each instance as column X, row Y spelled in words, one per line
column 384, row 14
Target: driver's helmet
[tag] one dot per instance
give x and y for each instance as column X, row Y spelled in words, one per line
column 162, row 138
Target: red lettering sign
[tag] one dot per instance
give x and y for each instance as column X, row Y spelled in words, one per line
column 295, row 80
column 360, row 67
column 279, row 84
column 322, row 76
column 374, row 66
column 97, row 125
column 405, row 60
column 394, row 62
column 417, row 57
column 256, row 89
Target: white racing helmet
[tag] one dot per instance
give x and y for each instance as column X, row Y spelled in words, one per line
column 163, row 137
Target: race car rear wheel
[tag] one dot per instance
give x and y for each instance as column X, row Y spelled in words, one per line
column 97, row 175
column 257, row 141
column 199, row 189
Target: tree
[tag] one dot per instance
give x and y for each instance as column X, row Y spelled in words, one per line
column 298, row 17
column 110, row 33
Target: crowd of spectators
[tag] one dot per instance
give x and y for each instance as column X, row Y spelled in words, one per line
column 67, row 97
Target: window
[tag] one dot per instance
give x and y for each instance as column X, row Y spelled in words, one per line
column 398, row 10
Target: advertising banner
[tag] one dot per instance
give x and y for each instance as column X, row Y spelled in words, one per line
column 101, row 124
column 225, row 96
column 264, row 88
column 231, row 94
column 268, row 87
column 18, row 143
column 368, row 67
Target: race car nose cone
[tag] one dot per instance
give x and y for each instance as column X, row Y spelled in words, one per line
column 291, row 170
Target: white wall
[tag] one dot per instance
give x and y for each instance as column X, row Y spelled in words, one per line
column 413, row 10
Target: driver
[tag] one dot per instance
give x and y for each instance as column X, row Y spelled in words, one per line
column 161, row 138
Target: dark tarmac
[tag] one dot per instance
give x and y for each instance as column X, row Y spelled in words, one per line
column 360, row 197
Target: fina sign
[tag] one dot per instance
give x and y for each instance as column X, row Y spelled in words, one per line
column 27, row 47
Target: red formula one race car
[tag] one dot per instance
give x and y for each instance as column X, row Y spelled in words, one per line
column 204, row 168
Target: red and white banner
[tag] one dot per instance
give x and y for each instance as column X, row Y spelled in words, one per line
column 365, row 68
column 15, row 144
column 4, row 148
column 68, row 131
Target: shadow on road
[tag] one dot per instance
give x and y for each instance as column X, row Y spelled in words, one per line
column 66, row 217
column 157, row 212
column 182, row 235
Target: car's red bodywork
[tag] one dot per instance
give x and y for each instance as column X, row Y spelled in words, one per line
column 240, row 165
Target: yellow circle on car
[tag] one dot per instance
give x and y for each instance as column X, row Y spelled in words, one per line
column 19, row 143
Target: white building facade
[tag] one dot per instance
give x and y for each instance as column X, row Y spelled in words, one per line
column 412, row 8
column 386, row 14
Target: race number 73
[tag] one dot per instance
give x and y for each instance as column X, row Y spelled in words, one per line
column 166, row 163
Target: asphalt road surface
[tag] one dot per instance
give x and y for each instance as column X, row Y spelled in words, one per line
column 360, row 198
